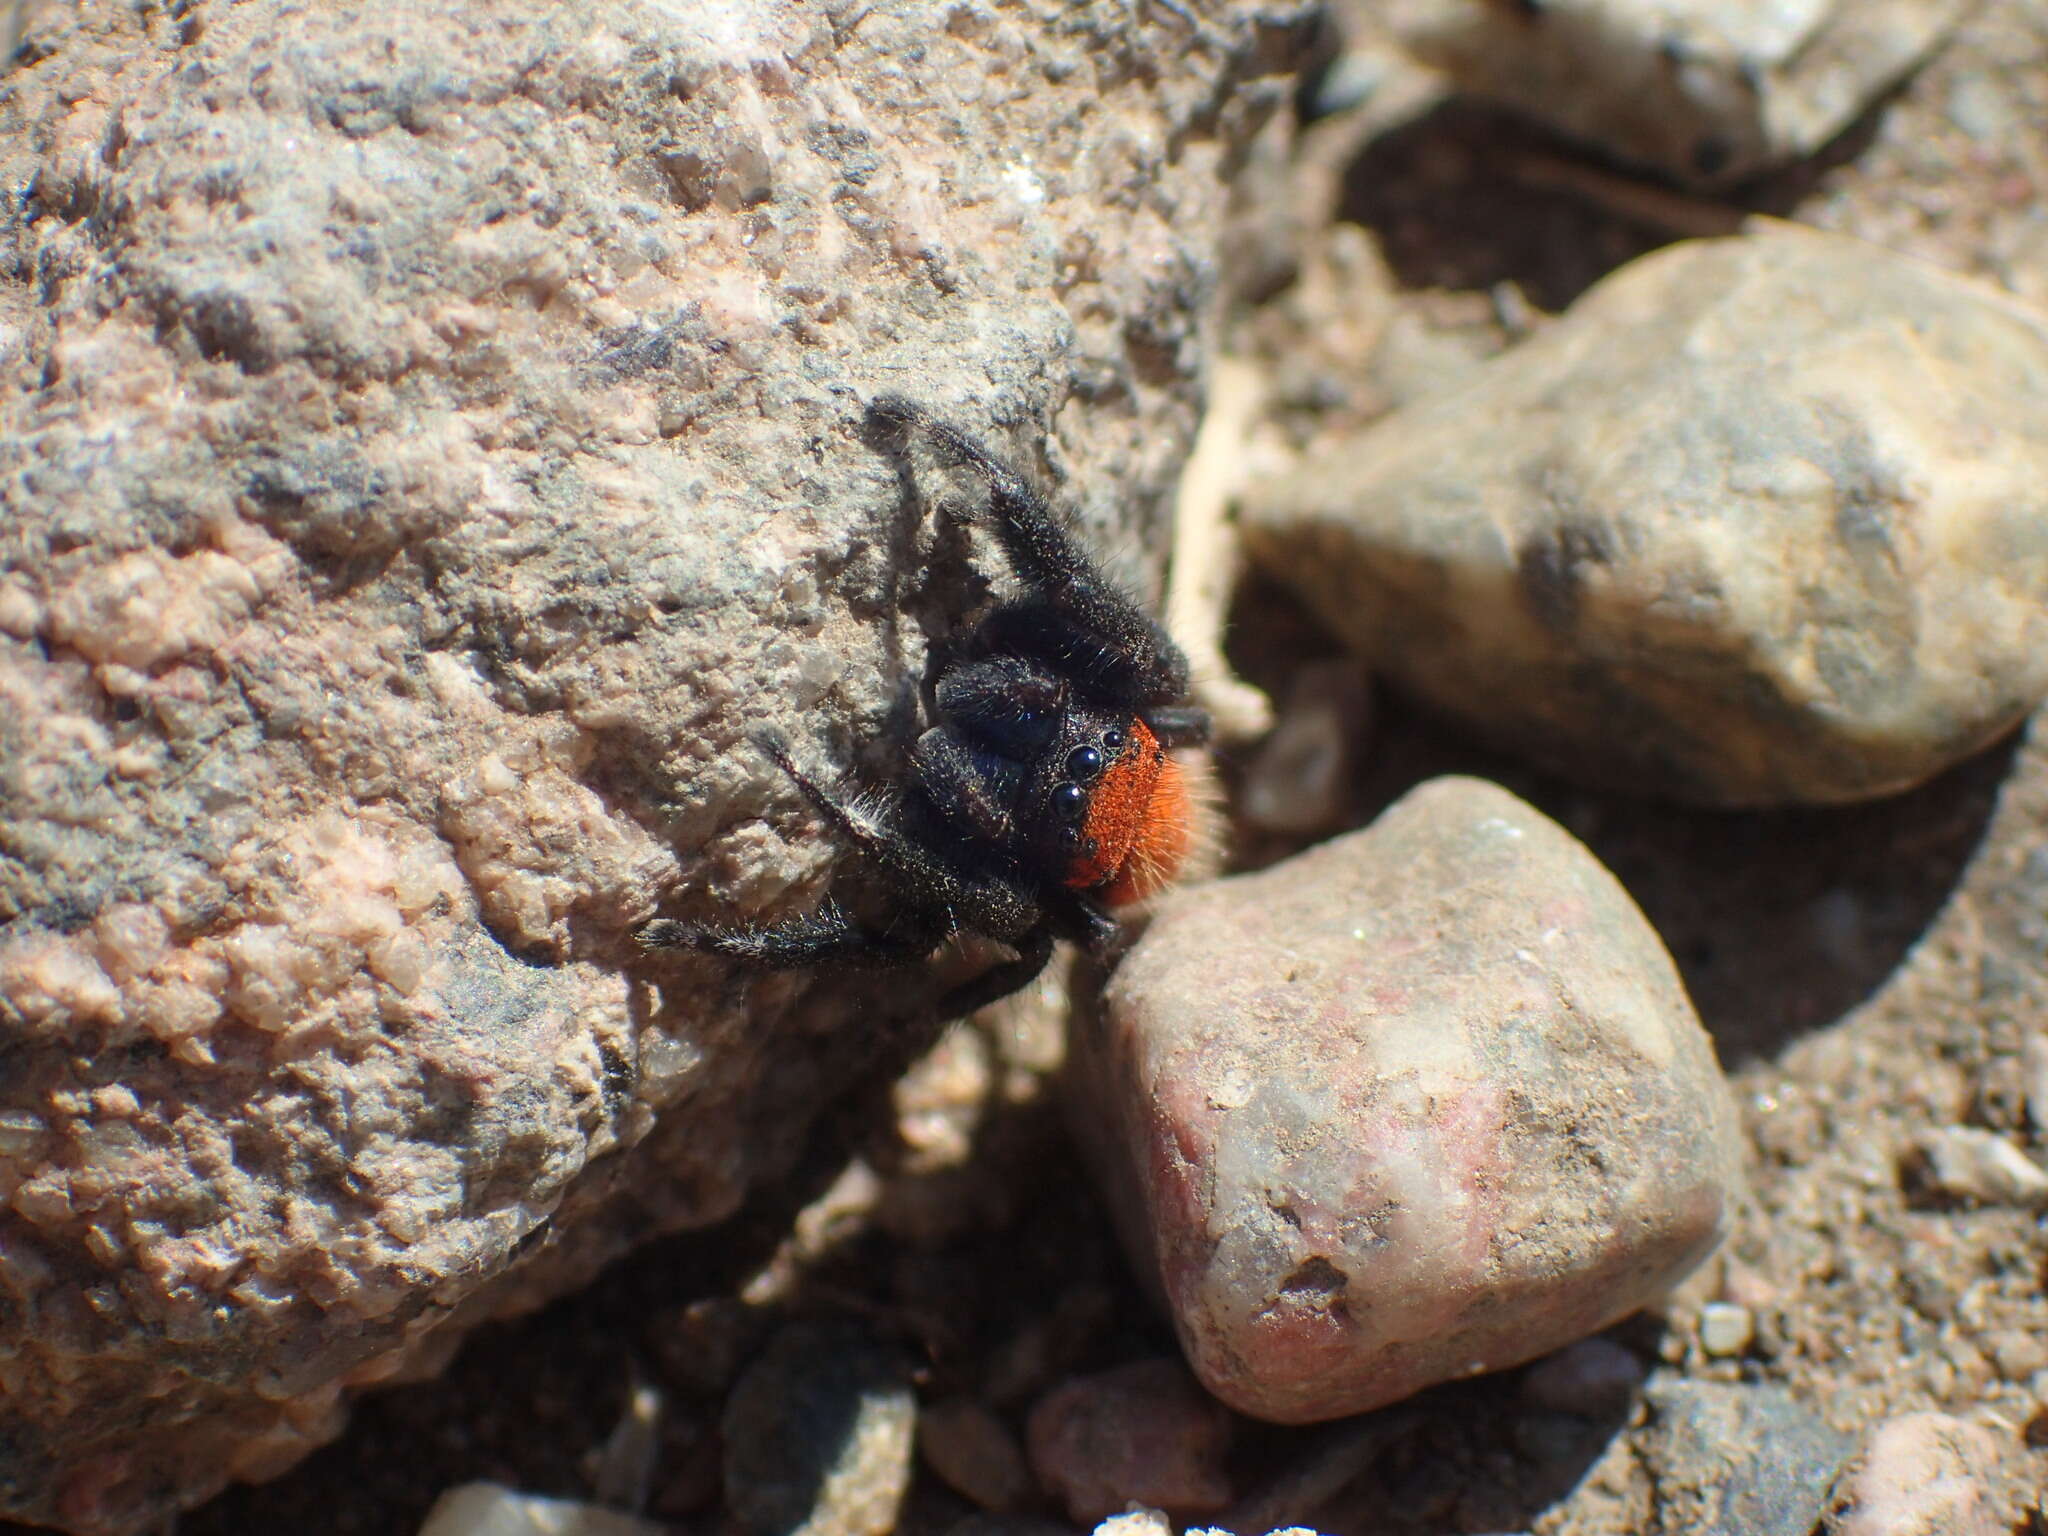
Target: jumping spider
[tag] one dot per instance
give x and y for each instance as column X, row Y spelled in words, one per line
column 1043, row 795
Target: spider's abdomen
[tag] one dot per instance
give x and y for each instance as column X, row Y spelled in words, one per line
column 1139, row 827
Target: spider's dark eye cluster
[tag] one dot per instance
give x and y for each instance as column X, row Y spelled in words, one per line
column 1083, row 767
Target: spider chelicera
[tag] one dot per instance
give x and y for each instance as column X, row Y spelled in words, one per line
column 1042, row 795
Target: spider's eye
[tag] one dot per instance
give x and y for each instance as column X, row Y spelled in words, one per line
column 1083, row 763
column 1070, row 800
column 1113, row 740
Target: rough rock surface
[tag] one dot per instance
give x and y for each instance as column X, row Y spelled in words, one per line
column 427, row 451
column 1425, row 1101
column 1917, row 1475
column 1698, row 89
column 1760, row 520
column 1737, row 1460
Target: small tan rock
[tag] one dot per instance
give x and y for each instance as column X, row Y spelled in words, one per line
column 1917, row 1475
column 974, row 1453
column 1425, row 1101
column 1760, row 520
column 1143, row 1433
column 1961, row 1162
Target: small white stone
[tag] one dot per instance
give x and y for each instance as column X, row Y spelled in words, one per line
column 486, row 1509
column 1725, row 1329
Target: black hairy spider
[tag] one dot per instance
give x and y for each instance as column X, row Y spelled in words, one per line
column 1041, row 797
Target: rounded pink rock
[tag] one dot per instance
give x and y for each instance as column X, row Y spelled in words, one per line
column 1425, row 1101
column 1142, row 1433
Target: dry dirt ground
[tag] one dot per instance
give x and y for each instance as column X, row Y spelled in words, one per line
column 1867, row 973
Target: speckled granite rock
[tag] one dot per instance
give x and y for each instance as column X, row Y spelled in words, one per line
column 1760, row 520
column 1731, row 1460
column 427, row 451
column 1424, row 1101
column 1701, row 90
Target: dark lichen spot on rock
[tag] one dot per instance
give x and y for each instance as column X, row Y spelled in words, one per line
column 1550, row 569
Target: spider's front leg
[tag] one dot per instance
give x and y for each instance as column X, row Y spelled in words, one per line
column 828, row 936
column 1075, row 617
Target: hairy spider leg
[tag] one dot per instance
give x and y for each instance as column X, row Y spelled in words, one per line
column 827, row 936
column 929, row 885
column 1126, row 650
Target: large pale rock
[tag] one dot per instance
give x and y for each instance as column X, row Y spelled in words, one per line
column 1760, row 520
column 428, row 449
column 1424, row 1101
column 1699, row 89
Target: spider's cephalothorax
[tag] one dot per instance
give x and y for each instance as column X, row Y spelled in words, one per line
column 1041, row 796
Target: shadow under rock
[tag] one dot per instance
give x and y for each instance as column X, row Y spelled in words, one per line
column 1462, row 198
column 1443, row 195
column 1463, row 1457
column 1780, row 921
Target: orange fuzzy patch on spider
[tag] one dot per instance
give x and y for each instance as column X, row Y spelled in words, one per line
column 1140, row 826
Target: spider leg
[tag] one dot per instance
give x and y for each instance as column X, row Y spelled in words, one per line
column 1124, row 645
column 924, row 882
column 961, row 789
column 1014, row 703
column 1082, row 919
column 827, row 936
column 1034, row 949
column 1177, row 725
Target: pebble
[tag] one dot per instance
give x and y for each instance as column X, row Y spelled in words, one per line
column 1299, row 781
column 818, row 1436
column 1917, row 1475
column 1726, row 1329
column 2034, row 1080
column 1425, row 1101
column 486, row 1509
column 1594, row 1378
column 1143, row 1433
column 1756, row 522
column 1961, row 1162
column 1737, row 1460
column 973, row 1453
column 1702, row 90
column 1136, row 1522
